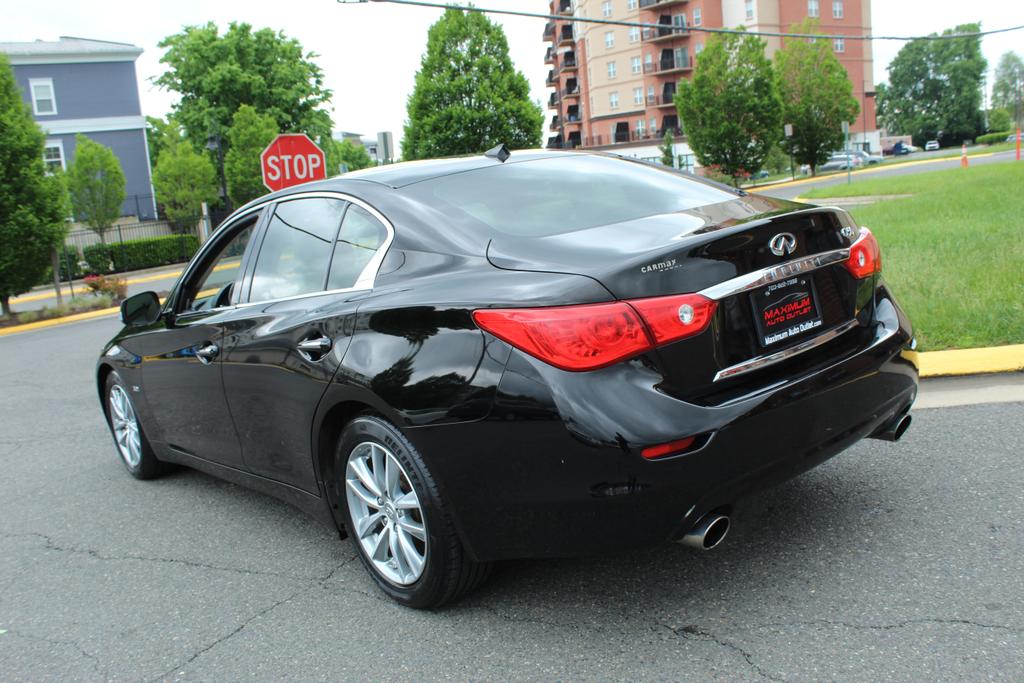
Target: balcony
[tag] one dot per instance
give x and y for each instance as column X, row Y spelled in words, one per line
column 549, row 31
column 665, row 33
column 552, row 78
column 667, row 66
column 554, row 100
column 572, row 88
column 644, row 4
column 572, row 114
column 555, row 142
column 549, row 56
column 555, row 123
column 568, row 62
column 565, row 7
column 565, row 37
column 667, row 98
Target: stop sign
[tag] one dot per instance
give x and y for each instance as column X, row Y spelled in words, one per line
column 291, row 159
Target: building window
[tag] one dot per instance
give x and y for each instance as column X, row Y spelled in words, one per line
column 53, row 155
column 654, row 124
column 812, row 8
column 609, row 39
column 612, row 70
column 636, row 67
column 43, row 101
column 613, row 100
column 698, row 48
column 606, row 8
column 650, row 94
column 696, row 16
column 631, row 4
column 634, row 34
column 641, row 128
column 679, row 20
column 837, row 9
column 648, row 62
column 839, row 44
column 750, row 10
column 638, row 95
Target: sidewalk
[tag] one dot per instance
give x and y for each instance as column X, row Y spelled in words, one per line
column 159, row 278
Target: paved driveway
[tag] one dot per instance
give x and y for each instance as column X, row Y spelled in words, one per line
column 891, row 562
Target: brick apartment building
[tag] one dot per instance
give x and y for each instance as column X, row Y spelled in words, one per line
column 614, row 86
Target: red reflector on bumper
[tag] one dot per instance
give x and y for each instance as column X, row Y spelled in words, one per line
column 667, row 448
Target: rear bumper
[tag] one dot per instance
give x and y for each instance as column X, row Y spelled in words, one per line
column 555, row 469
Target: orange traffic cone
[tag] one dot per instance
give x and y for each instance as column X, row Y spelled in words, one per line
column 963, row 156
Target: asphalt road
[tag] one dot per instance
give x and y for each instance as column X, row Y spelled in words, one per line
column 891, row 562
column 784, row 191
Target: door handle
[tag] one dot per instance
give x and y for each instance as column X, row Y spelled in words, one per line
column 207, row 353
column 314, row 349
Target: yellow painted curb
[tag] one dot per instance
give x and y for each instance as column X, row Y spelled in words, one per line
column 862, row 171
column 972, row 361
column 52, row 322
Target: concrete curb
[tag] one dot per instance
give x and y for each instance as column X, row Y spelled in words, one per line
column 930, row 363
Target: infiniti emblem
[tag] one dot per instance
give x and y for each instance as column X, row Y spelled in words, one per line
column 783, row 243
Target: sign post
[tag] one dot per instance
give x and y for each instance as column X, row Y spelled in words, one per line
column 292, row 159
column 788, row 129
column 846, row 133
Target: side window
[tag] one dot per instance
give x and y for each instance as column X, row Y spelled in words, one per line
column 213, row 287
column 360, row 237
column 296, row 251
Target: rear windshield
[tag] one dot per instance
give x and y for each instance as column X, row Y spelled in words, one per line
column 563, row 194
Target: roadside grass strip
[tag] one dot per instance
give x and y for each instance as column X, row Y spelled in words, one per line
column 953, row 252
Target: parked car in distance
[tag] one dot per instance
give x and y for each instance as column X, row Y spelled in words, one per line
column 931, row 145
column 840, row 161
column 1012, row 137
column 542, row 354
column 868, row 159
column 900, row 148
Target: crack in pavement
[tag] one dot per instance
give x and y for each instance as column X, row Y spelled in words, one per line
column 885, row 627
column 50, row 544
column 318, row 582
column 56, row 641
column 686, row 632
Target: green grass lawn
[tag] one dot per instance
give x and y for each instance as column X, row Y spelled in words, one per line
column 953, row 253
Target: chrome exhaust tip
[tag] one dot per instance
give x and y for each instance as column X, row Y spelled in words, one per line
column 895, row 430
column 708, row 532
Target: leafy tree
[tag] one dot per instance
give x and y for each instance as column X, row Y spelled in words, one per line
column 468, row 97
column 1009, row 78
column 817, row 96
column 96, row 182
column 345, row 152
column 33, row 205
column 216, row 74
column 777, row 160
column 160, row 134
column 249, row 135
column 731, row 110
column 667, row 150
column 934, row 89
column 183, row 180
column 999, row 120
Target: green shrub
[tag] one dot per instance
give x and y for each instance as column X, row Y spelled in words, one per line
column 141, row 253
column 991, row 138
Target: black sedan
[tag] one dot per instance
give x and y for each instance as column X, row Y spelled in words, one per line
column 549, row 354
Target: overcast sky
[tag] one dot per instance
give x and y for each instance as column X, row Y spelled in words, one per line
column 370, row 52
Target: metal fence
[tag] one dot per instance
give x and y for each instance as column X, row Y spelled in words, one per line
column 128, row 246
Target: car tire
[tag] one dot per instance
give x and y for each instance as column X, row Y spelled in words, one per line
column 126, row 428
column 397, row 519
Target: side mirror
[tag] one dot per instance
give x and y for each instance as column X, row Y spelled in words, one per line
column 140, row 309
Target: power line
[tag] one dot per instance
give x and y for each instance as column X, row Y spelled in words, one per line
column 701, row 29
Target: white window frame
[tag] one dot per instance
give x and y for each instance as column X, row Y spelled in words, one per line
column 32, row 83
column 641, row 127
column 696, row 16
column 56, row 143
column 638, row 95
column 837, row 9
column 609, row 40
column 698, row 48
column 839, row 44
column 613, row 70
column 613, row 102
column 631, row 4
column 606, row 8
column 814, row 8
column 634, row 34
column 636, row 66
column 749, row 6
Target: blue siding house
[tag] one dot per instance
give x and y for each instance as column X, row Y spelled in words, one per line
column 76, row 85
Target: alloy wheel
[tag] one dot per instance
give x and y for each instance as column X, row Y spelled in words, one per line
column 125, row 424
column 385, row 511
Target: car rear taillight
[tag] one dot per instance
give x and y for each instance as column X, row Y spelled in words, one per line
column 671, row 318
column 575, row 338
column 592, row 336
column 865, row 256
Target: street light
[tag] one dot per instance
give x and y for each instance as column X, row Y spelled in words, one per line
column 213, row 143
